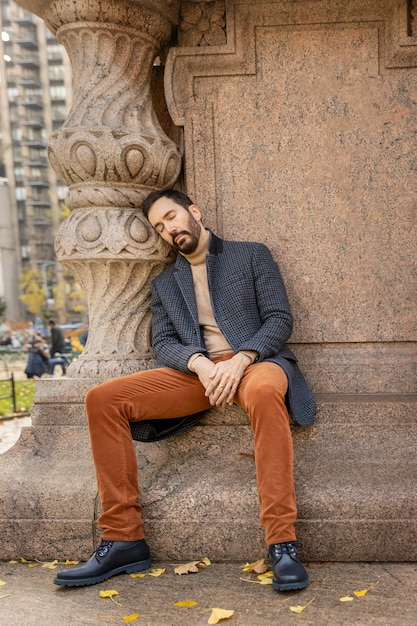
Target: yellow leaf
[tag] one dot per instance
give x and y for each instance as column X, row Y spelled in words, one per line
column 2, row 582
column 137, row 575
column 206, row 561
column 258, row 567
column 363, row 592
column 219, row 614
column 266, row 581
column 157, row 572
column 130, row 618
column 13, row 561
column 268, row 574
column 109, row 594
column 6, row 595
column 346, row 599
column 50, row 565
column 67, row 562
column 299, row 608
column 186, row 603
column 187, row 568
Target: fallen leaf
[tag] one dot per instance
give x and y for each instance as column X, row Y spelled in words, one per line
column 29, row 563
column 259, row 567
column 346, row 599
column 50, row 565
column 157, row 572
column 299, row 608
column 265, row 575
column 130, row 618
column 2, row 582
column 265, row 581
column 219, row 614
column 109, row 594
column 13, row 561
column 187, row 568
column 186, row 603
column 363, row 592
column 206, row 561
column 137, row 575
column 6, row 595
column 67, row 562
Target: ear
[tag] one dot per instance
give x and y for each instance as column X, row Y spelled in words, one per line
column 195, row 212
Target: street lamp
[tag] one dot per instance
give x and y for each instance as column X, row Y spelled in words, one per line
column 48, row 300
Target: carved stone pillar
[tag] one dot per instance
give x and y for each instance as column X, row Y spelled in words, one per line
column 111, row 151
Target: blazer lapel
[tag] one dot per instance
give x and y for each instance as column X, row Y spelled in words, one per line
column 184, row 279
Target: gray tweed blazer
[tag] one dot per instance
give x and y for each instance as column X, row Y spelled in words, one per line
column 250, row 306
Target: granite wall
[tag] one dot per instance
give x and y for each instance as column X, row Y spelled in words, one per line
column 300, row 132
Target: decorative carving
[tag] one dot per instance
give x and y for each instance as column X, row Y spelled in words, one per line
column 202, row 24
column 111, row 151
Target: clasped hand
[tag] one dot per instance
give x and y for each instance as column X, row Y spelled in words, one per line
column 221, row 379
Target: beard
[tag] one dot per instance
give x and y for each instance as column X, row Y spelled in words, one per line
column 186, row 241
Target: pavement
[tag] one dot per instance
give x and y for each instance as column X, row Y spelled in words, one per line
column 386, row 593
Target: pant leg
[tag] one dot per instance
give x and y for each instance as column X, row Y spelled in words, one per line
column 150, row 394
column 262, row 394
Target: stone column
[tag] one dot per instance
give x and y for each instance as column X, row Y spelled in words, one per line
column 111, row 151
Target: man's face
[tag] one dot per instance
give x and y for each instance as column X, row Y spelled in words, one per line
column 177, row 226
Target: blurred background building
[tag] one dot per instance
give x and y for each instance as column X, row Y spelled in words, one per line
column 35, row 95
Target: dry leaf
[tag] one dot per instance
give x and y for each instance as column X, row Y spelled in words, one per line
column 67, row 562
column 193, row 567
column 50, row 565
column 268, row 574
column 363, row 592
column 137, row 575
column 2, row 582
column 130, row 618
column 299, row 608
column 6, row 595
column 186, row 603
column 157, row 572
column 259, row 567
column 13, row 561
column 346, row 599
column 109, row 594
column 219, row 614
column 187, row 568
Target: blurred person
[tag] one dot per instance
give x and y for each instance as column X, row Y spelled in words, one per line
column 57, row 338
column 38, row 359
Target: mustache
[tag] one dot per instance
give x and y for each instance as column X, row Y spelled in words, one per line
column 178, row 234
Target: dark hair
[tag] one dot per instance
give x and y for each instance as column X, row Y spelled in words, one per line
column 177, row 196
column 51, row 322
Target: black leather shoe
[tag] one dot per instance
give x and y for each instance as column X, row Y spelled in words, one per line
column 110, row 558
column 289, row 572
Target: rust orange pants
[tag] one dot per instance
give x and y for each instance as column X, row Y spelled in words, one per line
column 165, row 393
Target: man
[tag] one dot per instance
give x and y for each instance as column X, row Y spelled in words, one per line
column 57, row 338
column 221, row 320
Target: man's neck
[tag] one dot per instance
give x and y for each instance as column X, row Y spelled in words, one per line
column 200, row 253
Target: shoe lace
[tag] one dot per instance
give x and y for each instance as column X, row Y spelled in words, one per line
column 104, row 547
column 276, row 550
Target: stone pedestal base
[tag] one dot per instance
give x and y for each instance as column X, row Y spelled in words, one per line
column 355, row 480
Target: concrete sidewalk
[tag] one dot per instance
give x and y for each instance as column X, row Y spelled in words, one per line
column 30, row 598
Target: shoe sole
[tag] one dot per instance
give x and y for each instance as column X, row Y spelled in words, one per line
column 126, row 569
column 290, row 586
